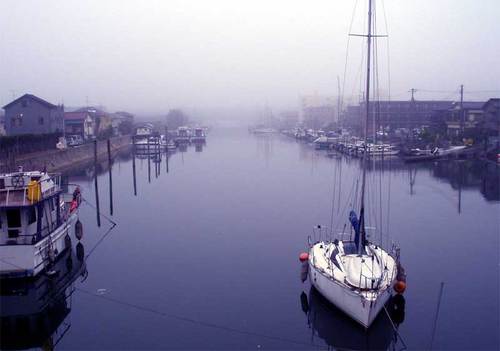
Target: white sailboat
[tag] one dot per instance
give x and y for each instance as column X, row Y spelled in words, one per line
column 357, row 276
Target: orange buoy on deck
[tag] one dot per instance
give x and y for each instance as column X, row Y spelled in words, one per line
column 400, row 286
column 304, row 256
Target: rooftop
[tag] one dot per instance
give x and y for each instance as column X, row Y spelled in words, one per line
column 72, row 116
column 32, row 97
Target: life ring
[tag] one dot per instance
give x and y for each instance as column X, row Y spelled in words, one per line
column 17, row 181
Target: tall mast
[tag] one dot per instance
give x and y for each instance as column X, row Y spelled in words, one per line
column 367, row 96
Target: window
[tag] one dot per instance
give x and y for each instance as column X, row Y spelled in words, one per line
column 40, row 120
column 17, row 121
column 31, row 215
column 13, row 218
column 2, row 184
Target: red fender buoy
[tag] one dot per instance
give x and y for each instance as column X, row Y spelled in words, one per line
column 73, row 207
column 304, row 256
column 400, row 286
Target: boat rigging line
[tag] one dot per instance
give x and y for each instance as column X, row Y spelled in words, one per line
column 437, row 315
column 347, row 57
column 113, row 225
column 395, row 328
column 196, row 321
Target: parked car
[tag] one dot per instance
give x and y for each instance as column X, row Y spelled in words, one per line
column 74, row 140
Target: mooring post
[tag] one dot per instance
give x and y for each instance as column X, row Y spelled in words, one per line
column 149, row 162
column 96, row 186
column 133, row 171
column 110, row 179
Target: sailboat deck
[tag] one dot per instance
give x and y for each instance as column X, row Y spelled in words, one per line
column 323, row 263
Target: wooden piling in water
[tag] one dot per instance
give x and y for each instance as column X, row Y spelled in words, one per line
column 110, row 179
column 133, row 172
column 98, row 213
column 149, row 163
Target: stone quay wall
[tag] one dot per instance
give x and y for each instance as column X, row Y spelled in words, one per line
column 59, row 160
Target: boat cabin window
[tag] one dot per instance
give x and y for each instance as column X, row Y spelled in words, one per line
column 2, row 184
column 31, row 215
column 13, row 218
column 350, row 248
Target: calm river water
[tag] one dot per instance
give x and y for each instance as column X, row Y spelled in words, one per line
column 205, row 256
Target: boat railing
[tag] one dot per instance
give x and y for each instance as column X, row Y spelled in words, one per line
column 27, row 239
column 10, row 195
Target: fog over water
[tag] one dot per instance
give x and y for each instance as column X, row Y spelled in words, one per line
column 212, row 56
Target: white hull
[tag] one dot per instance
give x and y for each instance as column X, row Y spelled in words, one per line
column 144, row 146
column 30, row 260
column 264, row 131
column 383, row 153
column 362, row 310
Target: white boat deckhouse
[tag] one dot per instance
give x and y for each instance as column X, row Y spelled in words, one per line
column 37, row 222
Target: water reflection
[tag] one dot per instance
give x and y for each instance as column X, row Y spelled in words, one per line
column 471, row 174
column 87, row 171
column 36, row 313
column 198, row 146
column 479, row 175
column 339, row 331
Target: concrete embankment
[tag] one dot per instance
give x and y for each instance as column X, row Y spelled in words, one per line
column 59, row 160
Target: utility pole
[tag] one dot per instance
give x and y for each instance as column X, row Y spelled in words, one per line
column 462, row 116
column 413, row 121
column 412, row 91
column 338, row 100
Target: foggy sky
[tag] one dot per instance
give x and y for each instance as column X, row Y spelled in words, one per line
column 150, row 56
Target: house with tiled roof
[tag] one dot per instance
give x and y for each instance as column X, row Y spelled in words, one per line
column 30, row 114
